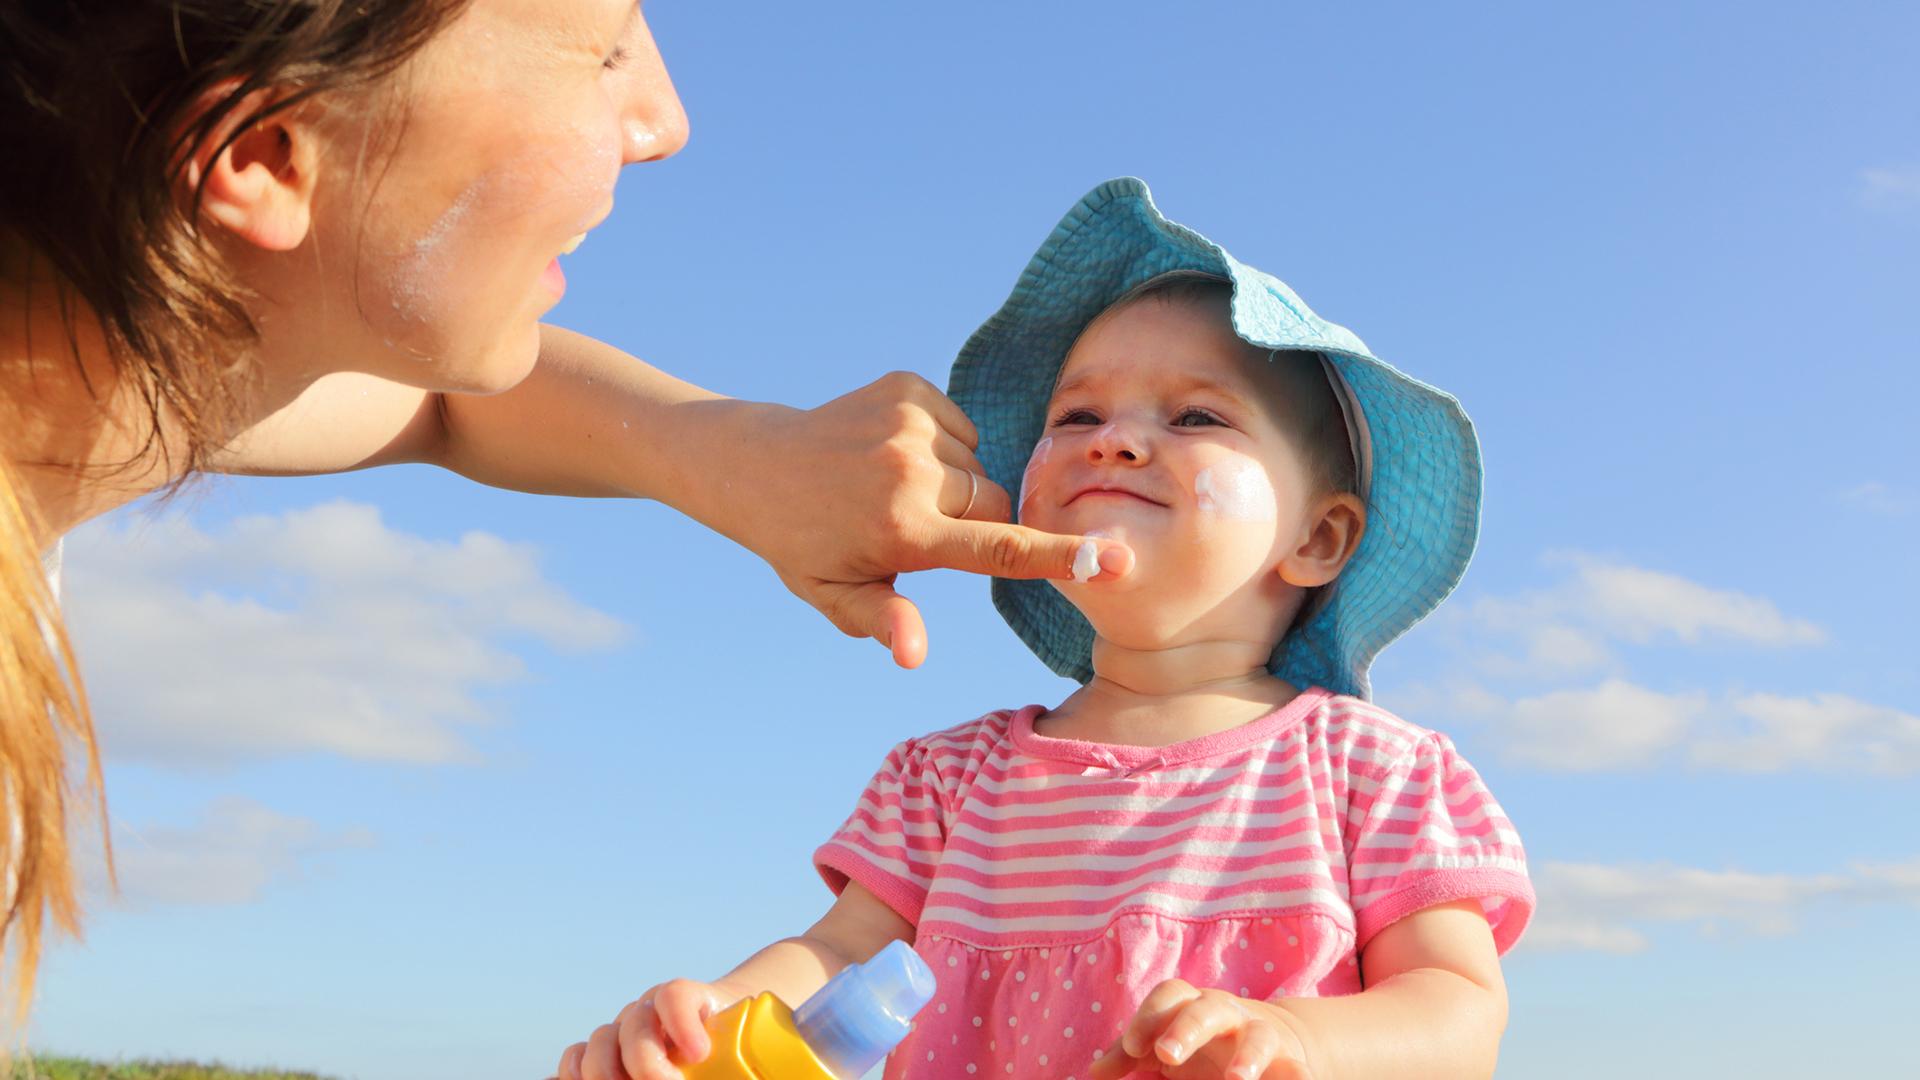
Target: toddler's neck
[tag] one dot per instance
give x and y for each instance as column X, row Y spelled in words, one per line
column 1167, row 696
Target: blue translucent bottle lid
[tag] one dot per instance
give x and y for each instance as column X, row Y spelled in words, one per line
column 866, row 1010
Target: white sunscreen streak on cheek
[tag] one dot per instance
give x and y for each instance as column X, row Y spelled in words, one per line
column 1041, row 451
column 1237, row 490
column 422, row 270
column 1086, row 562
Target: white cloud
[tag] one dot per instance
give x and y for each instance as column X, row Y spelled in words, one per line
column 232, row 855
column 1645, row 606
column 1520, row 653
column 1884, row 499
column 1831, row 732
column 1604, row 908
column 1610, row 726
column 1565, row 626
column 1618, row 724
column 1893, row 190
column 315, row 630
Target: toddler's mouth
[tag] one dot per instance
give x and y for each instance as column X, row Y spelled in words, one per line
column 1110, row 492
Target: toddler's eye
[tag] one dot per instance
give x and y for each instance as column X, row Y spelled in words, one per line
column 1200, row 415
column 1075, row 416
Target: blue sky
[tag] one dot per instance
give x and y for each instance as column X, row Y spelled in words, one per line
column 414, row 778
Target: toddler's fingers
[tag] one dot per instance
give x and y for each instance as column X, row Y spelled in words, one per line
column 1153, row 1015
column 569, row 1067
column 643, row 1049
column 1257, row 1050
column 1197, row 1022
column 601, row 1061
column 683, row 1007
column 1116, row 1063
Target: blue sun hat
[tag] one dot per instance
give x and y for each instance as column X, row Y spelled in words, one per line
column 1419, row 462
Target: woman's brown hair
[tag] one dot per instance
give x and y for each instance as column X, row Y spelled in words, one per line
column 104, row 102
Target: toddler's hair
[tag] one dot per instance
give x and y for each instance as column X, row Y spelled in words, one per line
column 1308, row 411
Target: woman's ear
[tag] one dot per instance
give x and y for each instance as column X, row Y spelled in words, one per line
column 1333, row 534
column 259, row 186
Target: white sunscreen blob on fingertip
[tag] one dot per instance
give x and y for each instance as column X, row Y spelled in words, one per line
column 1236, row 489
column 1086, row 562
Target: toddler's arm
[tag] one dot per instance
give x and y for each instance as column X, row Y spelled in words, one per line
column 1435, row 1006
column 670, row 1019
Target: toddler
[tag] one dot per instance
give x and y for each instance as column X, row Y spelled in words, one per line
column 1217, row 858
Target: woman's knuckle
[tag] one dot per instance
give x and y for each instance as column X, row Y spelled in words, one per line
column 1008, row 549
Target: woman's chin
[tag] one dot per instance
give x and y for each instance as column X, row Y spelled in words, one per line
column 497, row 369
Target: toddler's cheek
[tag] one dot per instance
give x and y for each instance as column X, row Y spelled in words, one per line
column 1235, row 489
column 1042, row 450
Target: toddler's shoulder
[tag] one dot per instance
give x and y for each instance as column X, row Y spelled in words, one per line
column 1367, row 737
column 959, row 750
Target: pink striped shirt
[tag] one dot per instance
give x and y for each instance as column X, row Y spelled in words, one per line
column 1052, row 883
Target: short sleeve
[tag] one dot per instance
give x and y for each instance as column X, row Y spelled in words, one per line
column 1429, row 832
column 892, row 841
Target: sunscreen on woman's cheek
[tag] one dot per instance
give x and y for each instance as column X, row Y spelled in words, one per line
column 1236, row 489
column 423, row 272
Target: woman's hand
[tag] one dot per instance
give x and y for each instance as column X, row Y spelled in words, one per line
column 670, row 1019
column 843, row 498
column 1185, row 1033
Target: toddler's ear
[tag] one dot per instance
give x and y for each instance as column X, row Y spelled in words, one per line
column 1333, row 532
column 259, row 187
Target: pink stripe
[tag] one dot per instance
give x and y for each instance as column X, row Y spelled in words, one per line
column 1072, row 875
column 1275, row 803
column 986, row 909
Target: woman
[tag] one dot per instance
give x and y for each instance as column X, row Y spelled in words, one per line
column 304, row 236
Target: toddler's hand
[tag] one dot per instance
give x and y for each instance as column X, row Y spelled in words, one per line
column 670, row 1019
column 1185, row 1033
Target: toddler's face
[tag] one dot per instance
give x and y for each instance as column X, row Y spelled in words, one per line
column 1160, row 433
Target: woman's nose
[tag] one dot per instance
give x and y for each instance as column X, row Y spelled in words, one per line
column 1117, row 442
column 653, row 123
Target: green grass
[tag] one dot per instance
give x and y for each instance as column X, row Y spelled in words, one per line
column 28, row 1067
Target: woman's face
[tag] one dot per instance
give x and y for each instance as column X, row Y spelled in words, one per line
column 436, row 261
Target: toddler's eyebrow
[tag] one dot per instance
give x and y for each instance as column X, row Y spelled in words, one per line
column 1182, row 382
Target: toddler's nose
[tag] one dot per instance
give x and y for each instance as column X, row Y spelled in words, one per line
column 1117, row 442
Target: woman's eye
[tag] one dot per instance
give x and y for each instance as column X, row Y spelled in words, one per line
column 615, row 58
column 1075, row 416
column 1183, row 420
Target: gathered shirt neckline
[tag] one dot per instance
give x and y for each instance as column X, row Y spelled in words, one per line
column 1121, row 756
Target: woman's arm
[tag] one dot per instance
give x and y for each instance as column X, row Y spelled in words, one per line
column 1435, row 1007
column 838, row 499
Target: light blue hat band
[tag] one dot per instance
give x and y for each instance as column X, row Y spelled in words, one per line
column 1425, row 477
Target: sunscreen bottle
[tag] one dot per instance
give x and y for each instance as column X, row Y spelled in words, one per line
column 837, row 1034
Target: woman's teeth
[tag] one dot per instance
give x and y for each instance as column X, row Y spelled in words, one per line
column 572, row 244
